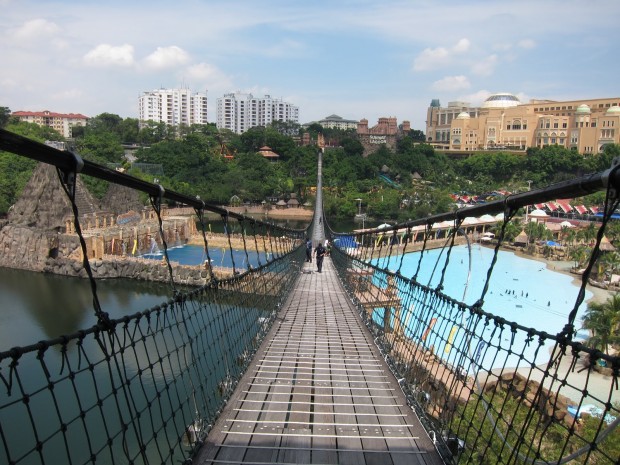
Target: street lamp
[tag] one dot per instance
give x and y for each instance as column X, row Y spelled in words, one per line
column 359, row 209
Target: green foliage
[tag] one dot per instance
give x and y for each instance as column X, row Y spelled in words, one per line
column 5, row 115
column 192, row 158
column 603, row 320
column 500, row 166
column 255, row 138
column 526, row 428
column 15, row 171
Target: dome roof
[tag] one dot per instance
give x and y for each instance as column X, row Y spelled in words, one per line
column 538, row 214
column 615, row 110
column 501, row 100
column 463, row 115
column 583, row 108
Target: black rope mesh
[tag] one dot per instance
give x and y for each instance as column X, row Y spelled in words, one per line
column 144, row 388
column 473, row 377
column 147, row 388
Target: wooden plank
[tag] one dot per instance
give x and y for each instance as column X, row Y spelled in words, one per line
column 319, row 391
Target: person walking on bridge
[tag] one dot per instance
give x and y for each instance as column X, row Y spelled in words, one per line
column 308, row 251
column 320, row 254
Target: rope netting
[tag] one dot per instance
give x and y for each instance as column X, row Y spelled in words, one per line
column 492, row 361
column 146, row 388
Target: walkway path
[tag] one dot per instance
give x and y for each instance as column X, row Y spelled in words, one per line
column 318, row 392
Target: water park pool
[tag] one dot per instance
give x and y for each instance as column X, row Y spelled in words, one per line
column 521, row 290
column 195, row 255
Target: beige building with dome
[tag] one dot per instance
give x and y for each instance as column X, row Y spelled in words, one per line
column 503, row 122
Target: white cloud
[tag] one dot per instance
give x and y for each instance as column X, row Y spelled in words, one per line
column 433, row 58
column 210, row 76
column 68, row 94
column 35, row 29
column 502, row 46
column 166, row 57
column 477, row 98
column 527, row 43
column 8, row 83
column 105, row 55
column 461, row 46
column 485, row 67
column 451, row 83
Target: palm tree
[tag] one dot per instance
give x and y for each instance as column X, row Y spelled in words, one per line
column 608, row 263
column 512, row 230
column 571, row 236
column 603, row 320
column 589, row 233
column 579, row 254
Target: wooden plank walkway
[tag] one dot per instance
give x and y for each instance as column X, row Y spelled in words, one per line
column 318, row 392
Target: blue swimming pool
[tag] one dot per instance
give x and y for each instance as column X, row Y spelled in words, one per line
column 521, row 290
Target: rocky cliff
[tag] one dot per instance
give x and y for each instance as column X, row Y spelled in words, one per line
column 33, row 232
column 33, row 236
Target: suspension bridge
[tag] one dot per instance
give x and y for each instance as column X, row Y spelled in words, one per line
column 277, row 363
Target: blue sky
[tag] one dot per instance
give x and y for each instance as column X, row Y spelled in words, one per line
column 358, row 59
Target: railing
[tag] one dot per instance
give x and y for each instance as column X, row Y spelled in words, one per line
column 147, row 387
column 144, row 388
column 488, row 389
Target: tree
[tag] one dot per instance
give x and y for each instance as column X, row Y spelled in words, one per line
column 603, row 320
column 5, row 114
column 579, row 255
column 417, row 135
column 105, row 122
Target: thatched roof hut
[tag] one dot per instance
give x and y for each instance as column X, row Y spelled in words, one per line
column 521, row 239
column 606, row 246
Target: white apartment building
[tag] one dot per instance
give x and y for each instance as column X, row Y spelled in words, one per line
column 239, row 112
column 173, row 107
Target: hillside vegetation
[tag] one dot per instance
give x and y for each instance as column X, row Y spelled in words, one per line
column 408, row 182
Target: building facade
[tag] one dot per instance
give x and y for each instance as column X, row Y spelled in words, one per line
column 239, row 112
column 336, row 122
column 61, row 122
column 385, row 132
column 503, row 122
column 173, row 107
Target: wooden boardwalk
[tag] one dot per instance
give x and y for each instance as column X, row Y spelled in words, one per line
column 318, row 392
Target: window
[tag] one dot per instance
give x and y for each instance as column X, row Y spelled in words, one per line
column 555, row 125
column 564, row 124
